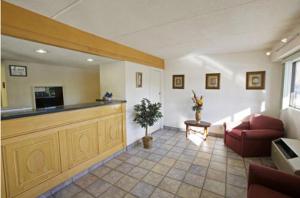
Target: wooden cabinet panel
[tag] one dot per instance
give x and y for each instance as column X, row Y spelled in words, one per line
column 31, row 161
column 110, row 132
column 82, row 142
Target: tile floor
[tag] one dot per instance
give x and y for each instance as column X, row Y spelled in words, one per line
column 174, row 167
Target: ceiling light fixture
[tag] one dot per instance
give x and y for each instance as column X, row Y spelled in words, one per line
column 284, row 40
column 41, row 51
column 268, row 53
column 90, row 60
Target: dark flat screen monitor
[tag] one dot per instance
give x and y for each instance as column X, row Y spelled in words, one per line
column 48, row 97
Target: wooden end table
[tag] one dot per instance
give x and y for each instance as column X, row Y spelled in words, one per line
column 194, row 123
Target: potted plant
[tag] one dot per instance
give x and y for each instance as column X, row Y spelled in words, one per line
column 198, row 103
column 146, row 114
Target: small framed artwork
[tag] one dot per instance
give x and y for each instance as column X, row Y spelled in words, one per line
column 255, row 80
column 17, row 70
column 139, row 79
column 178, row 81
column 212, row 81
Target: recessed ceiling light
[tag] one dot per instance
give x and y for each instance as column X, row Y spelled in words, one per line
column 41, row 51
column 284, row 40
column 90, row 60
column 268, row 53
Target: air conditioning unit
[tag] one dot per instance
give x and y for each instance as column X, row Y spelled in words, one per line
column 286, row 155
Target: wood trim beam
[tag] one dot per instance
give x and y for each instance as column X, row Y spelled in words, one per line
column 21, row 23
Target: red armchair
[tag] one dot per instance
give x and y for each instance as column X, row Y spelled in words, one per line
column 253, row 138
column 267, row 182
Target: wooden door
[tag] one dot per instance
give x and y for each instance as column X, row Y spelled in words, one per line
column 31, row 161
column 82, row 142
column 110, row 132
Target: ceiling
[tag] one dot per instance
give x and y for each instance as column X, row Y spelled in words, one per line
column 170, row 28
column 22, row 50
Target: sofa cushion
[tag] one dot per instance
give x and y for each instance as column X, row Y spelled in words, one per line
column 236, row 133
column 265, row 122
column 259, row 191
column 263, row 134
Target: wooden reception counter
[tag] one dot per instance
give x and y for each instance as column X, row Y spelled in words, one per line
column 41, row 150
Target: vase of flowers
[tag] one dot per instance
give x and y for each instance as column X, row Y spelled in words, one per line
column 198, row 103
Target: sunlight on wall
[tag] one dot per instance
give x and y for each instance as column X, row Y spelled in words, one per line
column 228, row 73
column 242, row 114
column 226, row 119
column 263, row 106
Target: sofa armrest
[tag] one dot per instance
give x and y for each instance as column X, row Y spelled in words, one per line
column 274, row 179
column 262, row 134
column 245, row 125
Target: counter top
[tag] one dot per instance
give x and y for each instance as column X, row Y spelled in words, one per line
column 35, row 112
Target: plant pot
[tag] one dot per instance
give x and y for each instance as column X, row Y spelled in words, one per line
column 198, row 116
column 147, row 142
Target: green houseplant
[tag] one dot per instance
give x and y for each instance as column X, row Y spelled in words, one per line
column 146, row 114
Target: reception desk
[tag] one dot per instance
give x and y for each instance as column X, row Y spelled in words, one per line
column 41, row 149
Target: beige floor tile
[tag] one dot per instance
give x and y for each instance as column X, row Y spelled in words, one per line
column 194, row 179
column 167, row 161
column 124, row 156
column 134, row 160
column 138, row 172
column 161, row 169
column 173, row 155
column 170, row 185
column 235, row 192
column 113, row 192
column 127, row 183
column 214, row 186
column 176, row 173
column 82, row 194
column 159, row 193
column 153, row 178
column 125, row 167
column 207, row 194
column 204, row 155
column 218, row 158
column 128, row 195
column 98, row 187
column 218, row 166
column 186, row 158
column 201, row 162
column 198, row 170
column 154, row 157
column 236, row 180
column 101, row 171
column 147, row 164
column 235, row 162
column 142, row 189
column 113, row 163
column 113, row 176
column 216, row 175
column 67, row 192
column 236, row 170
column 86, row 180
column 182, row 165
column 188, row 191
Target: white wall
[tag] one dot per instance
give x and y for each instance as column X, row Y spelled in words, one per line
column 80, row 85
column 120, row 79
column 232, row 102
column 112, row 79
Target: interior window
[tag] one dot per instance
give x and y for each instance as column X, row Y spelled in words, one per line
column 295, row 86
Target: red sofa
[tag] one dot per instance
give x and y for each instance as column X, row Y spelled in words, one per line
column 266, row 182
column 253, row 138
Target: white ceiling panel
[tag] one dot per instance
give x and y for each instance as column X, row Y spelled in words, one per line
column 173, row 27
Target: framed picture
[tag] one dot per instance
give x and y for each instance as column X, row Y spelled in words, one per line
column 212, row 81
column 178, row 81
column 17, row 70
column 139, row 79
column 255, row 80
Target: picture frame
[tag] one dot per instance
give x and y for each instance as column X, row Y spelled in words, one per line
column 139, row 79
column 178, row 81
column 255, row 80
column 212, row 81
column 18, row 70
